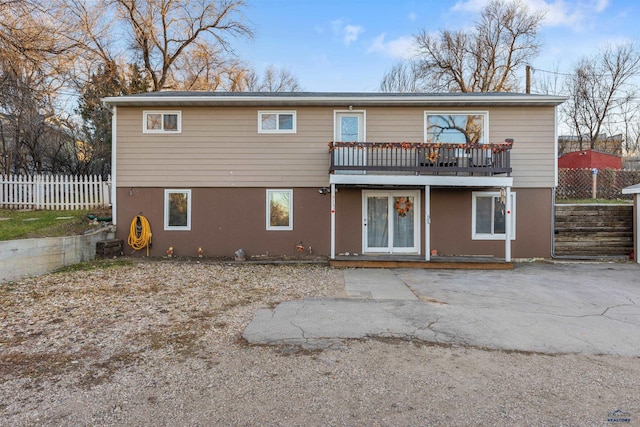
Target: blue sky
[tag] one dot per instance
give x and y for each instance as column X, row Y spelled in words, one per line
column 348, row 45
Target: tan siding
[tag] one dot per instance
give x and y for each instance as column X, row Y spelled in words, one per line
column 395, row 125
column 222, row 147
column 533, row 154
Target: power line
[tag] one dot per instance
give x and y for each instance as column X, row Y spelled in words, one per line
column 551, row 72
column 565, row 74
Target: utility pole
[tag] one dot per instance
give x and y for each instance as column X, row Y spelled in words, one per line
column 528, row 79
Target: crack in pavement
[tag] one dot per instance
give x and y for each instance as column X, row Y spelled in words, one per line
column 302, row 332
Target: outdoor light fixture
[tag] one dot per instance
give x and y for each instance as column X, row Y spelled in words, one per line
column 324, row 190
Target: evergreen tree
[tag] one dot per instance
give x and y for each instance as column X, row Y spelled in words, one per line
column 94, row 148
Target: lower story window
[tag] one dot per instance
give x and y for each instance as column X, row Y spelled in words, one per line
column 488, row 217
column 279, row 209
column 177, row 209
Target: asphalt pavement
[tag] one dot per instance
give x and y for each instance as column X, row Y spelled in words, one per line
column 553, row 308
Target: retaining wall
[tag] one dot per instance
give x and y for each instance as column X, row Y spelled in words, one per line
column 597, row 230
column 30, row 257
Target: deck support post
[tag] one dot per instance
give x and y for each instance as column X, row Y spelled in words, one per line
column 508, row 218
column 427, row 223
column 333, row 221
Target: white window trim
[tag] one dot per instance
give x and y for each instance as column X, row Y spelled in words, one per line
column 485, row 131
column 167, row 227
column 491, row 236
column 268, row 210
column 163, row 112
column 277, row 113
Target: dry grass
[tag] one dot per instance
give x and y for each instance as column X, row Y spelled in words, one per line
column 23, row 224
column 95, row 322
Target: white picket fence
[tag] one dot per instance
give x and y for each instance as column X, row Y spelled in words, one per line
column 54, row 192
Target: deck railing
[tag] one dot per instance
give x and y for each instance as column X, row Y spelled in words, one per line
column 420, row 158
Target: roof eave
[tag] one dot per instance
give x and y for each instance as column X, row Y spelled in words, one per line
column 359, row 101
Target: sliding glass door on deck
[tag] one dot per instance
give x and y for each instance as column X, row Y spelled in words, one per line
column 391, row 222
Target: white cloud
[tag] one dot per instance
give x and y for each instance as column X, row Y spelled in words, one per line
column 337, row 25
column 601, row 5
column 571, row 13
column 348, row 33
column 576, row 15
column 412, row 16
column 469, row 5
column 351, row 33
column 400, row 48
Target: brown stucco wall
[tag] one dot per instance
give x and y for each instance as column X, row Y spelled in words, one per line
column 226, row 219
column 348, row 220
column 451, row 223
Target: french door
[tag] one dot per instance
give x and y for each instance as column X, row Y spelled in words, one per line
column 391, row 222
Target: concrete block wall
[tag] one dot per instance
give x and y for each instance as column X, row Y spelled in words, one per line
column 31, row 257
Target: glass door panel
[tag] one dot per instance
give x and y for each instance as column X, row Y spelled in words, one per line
column 403, row 219
column 350, row 128
column 377, row 222
column 390, row 223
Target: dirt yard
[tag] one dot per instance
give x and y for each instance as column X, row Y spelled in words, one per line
column 158, row 343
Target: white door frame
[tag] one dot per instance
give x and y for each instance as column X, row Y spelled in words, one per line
column 354, row 156
column 392, row 194
column 362, row 131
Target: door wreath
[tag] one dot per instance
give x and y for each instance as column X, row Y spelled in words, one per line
column 402, row 206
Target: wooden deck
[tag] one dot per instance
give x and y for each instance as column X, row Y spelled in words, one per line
column 421, row 158
column 415, row 261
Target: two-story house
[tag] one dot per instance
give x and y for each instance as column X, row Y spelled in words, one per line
column 455, row 174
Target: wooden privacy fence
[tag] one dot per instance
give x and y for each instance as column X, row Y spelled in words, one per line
column 54, row 192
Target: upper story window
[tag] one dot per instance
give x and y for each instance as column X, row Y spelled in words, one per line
column 456, row 127
column 276, row 122
column 162, row 122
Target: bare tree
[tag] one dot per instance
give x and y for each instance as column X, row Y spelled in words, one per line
column 630, row 114
column 486, row 58
column 161, row 31
column 35, row 55
column 273, row 80
column 403, row 77
column 599, row 87
column 206, row 67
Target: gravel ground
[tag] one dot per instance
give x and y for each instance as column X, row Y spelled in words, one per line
column 158, row 343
